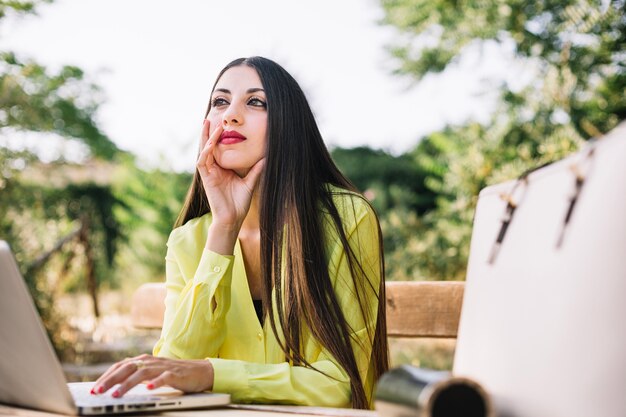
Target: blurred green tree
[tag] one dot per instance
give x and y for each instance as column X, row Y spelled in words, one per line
column 577, row 47
column 151, row 200
column 389, row 181
column 35, row 216
column 35, row 99
column 576, row 50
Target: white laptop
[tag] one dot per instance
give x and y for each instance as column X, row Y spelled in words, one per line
column 31, row 375
column 543, row 323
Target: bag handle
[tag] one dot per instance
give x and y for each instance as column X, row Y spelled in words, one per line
column 512, row 202
column 579, row 181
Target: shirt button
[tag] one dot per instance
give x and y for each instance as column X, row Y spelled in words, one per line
column 217, row 269
column 259, row 335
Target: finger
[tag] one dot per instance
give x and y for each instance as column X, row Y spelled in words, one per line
column 97, row 385
column 252, row 178
column 98, row 388
column 204, row 136
column 136, row 378
column 206, row 158
column 215, row 135
column 213, row 138
column 164, row 379
column 116, row 377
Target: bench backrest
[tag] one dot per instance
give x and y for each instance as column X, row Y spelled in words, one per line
column 414, row 308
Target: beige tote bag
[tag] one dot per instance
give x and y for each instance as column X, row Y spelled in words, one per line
column 543, row 324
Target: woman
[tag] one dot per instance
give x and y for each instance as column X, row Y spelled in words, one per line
column 275, row 277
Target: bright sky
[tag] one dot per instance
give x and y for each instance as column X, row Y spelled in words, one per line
column 156, row 62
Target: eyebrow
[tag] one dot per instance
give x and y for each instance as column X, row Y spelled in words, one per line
column 248, row 91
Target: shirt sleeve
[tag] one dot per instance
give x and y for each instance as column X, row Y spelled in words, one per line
column 195, row 308
column 284, row 383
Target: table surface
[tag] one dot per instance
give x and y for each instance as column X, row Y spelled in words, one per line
column 229, row 411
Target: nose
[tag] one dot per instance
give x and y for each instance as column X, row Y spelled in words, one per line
column 232, row 116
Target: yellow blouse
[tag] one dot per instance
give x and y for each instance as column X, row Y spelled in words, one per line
column 210, row 314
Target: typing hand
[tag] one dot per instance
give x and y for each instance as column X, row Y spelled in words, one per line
column 185, row 375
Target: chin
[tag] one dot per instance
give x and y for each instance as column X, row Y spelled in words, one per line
column 235, row 162
column 240, row 168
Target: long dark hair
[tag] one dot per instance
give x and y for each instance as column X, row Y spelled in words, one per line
column 298, row 170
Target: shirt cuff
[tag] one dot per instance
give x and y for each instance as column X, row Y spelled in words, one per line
column 229, row 375
column 213, row 264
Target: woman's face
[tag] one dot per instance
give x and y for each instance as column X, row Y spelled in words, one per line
column 239, row 105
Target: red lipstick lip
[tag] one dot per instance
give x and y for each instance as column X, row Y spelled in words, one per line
column 231, row 136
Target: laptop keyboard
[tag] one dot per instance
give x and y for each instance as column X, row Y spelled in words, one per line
column 83, row 397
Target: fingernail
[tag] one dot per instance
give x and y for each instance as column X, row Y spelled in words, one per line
column 100, row 389
column 116, row 394
column 150, row 386
column 92, row 392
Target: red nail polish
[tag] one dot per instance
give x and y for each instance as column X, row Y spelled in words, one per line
column 92, row 392
column 100, row 389
column 116, row 394
column 150, row 386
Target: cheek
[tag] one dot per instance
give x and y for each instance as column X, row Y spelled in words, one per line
column 215, row 121
column 262, row 123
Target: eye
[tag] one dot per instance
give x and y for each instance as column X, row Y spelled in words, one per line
column 218, row 101
column 257, row 102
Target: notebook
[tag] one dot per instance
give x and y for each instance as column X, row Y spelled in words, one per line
column 31, row 374
column 542, row 324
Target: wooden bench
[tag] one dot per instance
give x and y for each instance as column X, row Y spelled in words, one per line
column 414, row 308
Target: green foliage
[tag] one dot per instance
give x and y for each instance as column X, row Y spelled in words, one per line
column 580, row 43
column 33, row 99
column 152, row 200
column 576, row 49
column 65, row 208
column 19, row 6
column 130, row 219
column 22, row 224
column 388, row 180
column 35, row 215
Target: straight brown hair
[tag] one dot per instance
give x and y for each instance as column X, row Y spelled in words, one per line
column 294, row 194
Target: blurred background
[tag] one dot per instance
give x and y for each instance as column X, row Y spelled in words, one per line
column 422, row 102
